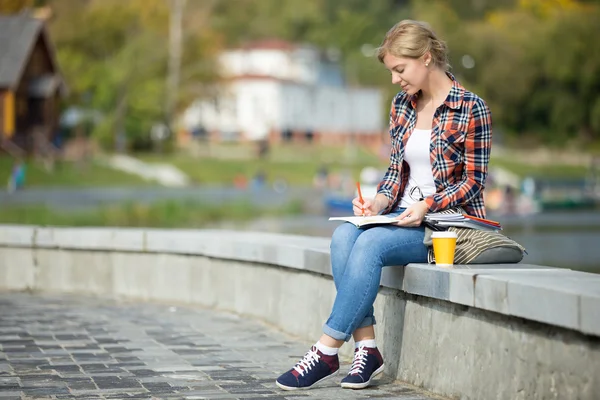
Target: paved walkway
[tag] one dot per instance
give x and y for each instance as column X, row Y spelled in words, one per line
column 76, row 347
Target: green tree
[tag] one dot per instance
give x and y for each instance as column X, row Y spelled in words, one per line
column 536, row 63
column 15, row 6
column 115, row 57
column 571, row 64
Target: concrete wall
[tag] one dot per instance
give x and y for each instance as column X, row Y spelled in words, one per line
column 493, row 332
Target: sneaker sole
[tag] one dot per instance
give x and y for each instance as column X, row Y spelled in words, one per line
column 284, row 387
column 348, row 385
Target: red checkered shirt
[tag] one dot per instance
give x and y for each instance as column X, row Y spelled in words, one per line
column 460, row 146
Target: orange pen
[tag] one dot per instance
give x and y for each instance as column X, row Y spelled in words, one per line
column 360, row 195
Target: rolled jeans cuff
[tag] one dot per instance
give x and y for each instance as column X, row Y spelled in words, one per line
column 337, row 335
column 368, row 321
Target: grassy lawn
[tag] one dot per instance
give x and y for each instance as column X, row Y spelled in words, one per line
column 163, row 214
column 297, row 165
column 69, row 174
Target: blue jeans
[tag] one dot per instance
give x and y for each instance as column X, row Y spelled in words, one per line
column 357, row 258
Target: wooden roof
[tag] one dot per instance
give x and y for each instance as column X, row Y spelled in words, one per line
column 18, row 36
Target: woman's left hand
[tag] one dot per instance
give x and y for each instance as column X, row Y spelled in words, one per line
column 413, row 215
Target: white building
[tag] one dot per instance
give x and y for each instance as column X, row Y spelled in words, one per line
column 273, row 87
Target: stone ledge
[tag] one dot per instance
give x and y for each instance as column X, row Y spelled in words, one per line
column 554, row 296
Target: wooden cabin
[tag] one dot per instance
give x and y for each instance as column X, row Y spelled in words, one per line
column 31, row 85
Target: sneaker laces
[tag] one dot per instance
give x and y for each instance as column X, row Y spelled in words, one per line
column 360, row 359
column 308, row 361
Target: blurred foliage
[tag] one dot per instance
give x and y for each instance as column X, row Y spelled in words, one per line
column 115, row 55
column 15, row 6
column 535, row 62
column 162, row 214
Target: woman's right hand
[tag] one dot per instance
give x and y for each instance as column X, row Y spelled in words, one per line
column 363, row 209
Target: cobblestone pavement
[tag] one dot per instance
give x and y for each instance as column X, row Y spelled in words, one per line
column 64, row 347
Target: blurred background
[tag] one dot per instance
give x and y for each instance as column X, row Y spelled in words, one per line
column 262, row 115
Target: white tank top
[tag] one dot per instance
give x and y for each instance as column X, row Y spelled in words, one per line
column 416, row 154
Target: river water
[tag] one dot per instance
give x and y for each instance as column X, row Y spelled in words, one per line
column 563, row 240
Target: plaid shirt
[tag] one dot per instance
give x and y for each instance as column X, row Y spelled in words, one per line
column 461, row 140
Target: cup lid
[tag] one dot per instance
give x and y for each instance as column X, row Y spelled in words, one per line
column 443, row 235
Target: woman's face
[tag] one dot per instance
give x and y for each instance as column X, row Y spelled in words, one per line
column 409, row 73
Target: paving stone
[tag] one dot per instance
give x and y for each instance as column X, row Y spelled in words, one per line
column 67, row 347
column 9, row 386
column 10, row 395
column 44, row 391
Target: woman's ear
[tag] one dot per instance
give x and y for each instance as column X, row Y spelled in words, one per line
column 427, row 59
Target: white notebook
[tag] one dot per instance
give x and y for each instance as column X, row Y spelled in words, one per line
column 363, row 221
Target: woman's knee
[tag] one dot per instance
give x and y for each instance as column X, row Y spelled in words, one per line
column 342, row 242
column 368, row 245
column 344, row 236
column 366, row 256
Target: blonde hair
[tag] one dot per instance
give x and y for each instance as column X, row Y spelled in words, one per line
column 413, row 39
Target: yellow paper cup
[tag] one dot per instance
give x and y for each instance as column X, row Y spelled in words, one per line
column 444, row 245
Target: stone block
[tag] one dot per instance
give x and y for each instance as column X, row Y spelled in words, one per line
column 491, row 293
column 305, row 303
column 392, row 277
column 112, row 239
column 53, row 270
column 506, row 267
column 462, row 286
column 543, row 305
column 317, row 260
column 178, row 241
column 17, row 235
column 390, row 317
column 216, row 247
column 552, row 297
column 248, row 295
column 90, row 272
column 170, row 279
column 202, row 289
column 464, row 281
column 17, row 269
column 157, row 277
column 491, row 353
column 427, row 280
column 132, row 275
column 590, row 315
column 289, row 255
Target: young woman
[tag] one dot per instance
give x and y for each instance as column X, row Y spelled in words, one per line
column 441, row 137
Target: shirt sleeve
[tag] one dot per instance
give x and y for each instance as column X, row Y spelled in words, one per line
column 390, row 184
column 478, row 143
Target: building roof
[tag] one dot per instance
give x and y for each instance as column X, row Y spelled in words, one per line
column 18, row 36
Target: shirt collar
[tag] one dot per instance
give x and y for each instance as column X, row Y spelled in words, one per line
column 455, row 96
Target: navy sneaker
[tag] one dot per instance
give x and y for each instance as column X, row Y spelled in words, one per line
column 367, row 364
column 312, row 369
